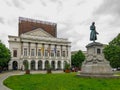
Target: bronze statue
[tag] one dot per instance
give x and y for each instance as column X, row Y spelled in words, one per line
column 93, row 34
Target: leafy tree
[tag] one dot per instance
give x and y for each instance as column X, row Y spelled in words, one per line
column 112, row 52
column 5, row 55
column 77, row 59
column 116, row 41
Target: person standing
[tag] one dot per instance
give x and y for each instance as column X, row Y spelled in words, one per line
column 93, row 34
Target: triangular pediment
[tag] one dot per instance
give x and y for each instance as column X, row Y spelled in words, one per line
column 38, row 32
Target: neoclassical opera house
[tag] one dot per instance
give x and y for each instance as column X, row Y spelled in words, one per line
column 37, row 44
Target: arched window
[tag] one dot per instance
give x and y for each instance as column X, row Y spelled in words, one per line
column 59, row 65
column 15, row 65
column 53, row 65
column 46, row 64
column 32, row 65
column 39, row 65
column 26, row 64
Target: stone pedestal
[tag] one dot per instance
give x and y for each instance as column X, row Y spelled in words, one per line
column 95, row 63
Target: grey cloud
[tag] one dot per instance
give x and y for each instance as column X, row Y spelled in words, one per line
column 18, row 4
column 2, row 20
column 81, row 2
column 68, row 32
column 28, row 1
column 110, row 7
column 8, row 3
column 11, row 21
column 43, row 2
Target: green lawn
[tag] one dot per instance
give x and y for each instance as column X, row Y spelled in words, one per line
column 60, row 82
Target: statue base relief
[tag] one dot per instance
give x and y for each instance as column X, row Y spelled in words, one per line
column 95, row 64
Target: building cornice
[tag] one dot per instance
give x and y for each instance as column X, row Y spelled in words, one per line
column 50, row 39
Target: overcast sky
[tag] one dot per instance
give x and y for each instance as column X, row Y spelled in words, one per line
column 73, row 18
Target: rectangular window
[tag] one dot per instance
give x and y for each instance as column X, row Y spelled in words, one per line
column 67, row 53
column 39, row 52
column 98, row 51
column 52, row 53
column 14, row 53
column 32, row 52
column 63, row 53
column 25, row 51
column 58, row 53
column 46, row 52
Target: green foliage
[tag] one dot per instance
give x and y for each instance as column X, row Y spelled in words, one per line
column 116, row 41
column 26, row 64
column 48, row 67
column 61, row 81
column 112, row 52
column 5, row 55
column 67, row 65
column 77, row 59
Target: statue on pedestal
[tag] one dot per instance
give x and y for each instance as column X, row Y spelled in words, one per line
column 95, row 64
column 93, row 34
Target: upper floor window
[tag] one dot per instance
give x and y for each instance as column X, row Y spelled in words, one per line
column 46, row 52
column 52, row 53
column 67, row 52
column 32, row 52
column 58, row 53
column 25, row 51
column 63, row 53
column 39, row 52
column 14, row 53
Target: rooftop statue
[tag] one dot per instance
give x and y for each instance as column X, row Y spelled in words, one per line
column 93, row 34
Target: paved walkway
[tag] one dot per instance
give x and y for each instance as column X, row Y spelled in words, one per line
column 5, row 75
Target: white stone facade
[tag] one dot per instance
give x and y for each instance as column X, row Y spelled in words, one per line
column 38, row 47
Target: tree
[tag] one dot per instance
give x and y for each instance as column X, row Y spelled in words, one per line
column 115, row 41
column 5, row 55
column 77, row 59
column 112, row 52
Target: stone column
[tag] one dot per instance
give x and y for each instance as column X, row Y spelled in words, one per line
column 36, row 48
column 61, row 51
column 36, row 64
column 56, row 64
column 21, row 48
column 50, row 62
column 29, row 48
column 43, row 64
column 29, row 66
column 62, row 64
column 55, row 50
column 43, row 50
column 19, row 67
column 49, row 50
column 66, row 51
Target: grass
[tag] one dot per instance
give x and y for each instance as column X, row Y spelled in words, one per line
column 60, row 82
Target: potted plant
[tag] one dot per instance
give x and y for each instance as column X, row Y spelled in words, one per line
column 49, row 69
column 67, row 67
column 27, row 71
